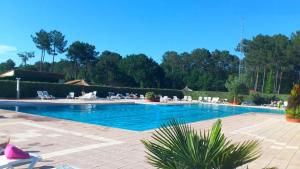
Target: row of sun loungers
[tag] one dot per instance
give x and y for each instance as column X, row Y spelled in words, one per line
column 44, row 95
column 209, row 99
column 111, row 96
column 88, row 96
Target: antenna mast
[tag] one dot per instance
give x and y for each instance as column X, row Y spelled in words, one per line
column 241, row 48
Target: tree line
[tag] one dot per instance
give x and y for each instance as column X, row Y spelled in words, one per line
column 270, row 65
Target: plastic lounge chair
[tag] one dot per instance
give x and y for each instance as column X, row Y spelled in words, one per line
column 133, row 96
column 142, row 96
column 10, row 164
column 120, row 96
column 47, row 95
column 209, row 99
column 189, row 98
column 161, row 99
column 87, row 96
column 175, row 98
column 95, row 94
column 41, row 95
column 71, row 95
column 110, row 94
column 285, row 104
column 113, row 96
column 215, row 99
column 166, row 98
column 200, row 99
column 127, row 96
column 205, row 99
column 185, row 98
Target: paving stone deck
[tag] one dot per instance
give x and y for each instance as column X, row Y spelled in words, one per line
column 89, row 146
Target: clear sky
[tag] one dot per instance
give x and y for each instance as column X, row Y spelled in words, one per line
column 144, row 26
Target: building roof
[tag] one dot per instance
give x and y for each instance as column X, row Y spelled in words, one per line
column 28, row 75
column 186, row 89
column 78, row 82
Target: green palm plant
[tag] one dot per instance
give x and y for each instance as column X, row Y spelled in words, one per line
column 178, row 146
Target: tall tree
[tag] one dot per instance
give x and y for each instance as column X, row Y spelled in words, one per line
column 107, row 70
column 174, row 69
column 269, row 83
column 8, row 65
column 25, row 56
column 42, row 41
column 57, row 43
column 280, row 58
column 145, row 71
column 64, row 66
column 82, row 54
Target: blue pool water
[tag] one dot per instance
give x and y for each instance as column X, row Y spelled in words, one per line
column 137, row 117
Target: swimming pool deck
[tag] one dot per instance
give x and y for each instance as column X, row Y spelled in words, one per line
column 89, row 146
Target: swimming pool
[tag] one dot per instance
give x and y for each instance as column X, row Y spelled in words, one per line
column 137, row 117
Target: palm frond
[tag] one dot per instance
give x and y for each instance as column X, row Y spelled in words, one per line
column 177, row 145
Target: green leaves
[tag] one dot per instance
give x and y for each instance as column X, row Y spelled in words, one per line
column 177, row 146
column 82, row 53
column 42, row 40
column 199, row 69
column 143, row 69
column 235, row 86
column 25, row 56
column 293, row 108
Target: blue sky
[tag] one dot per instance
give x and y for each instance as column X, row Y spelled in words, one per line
column 143, row 26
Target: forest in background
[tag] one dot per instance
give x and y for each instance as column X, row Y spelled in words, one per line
column 270, row 65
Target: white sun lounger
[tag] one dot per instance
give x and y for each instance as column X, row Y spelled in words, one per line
column 47, row 95
column 164, row 99
column 215, row 100
column 209, row 99
column 200, row 99
column 87, row 96
column 10, row 164
column 71, row 95
column 175, row 98
column 185, row 98
column 41, row 95
column 189, row 98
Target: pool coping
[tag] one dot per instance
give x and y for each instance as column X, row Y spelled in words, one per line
column 123, row 101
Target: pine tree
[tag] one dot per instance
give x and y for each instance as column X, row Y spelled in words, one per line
column 269, row 82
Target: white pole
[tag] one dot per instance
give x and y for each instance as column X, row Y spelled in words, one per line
column 18, row 88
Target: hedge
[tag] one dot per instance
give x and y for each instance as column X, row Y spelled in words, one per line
column 28, row 89
column 226, row 95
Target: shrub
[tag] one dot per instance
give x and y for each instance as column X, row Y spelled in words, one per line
column 150, row 96
column 260, row 99
column 235, row 86
column 293, row 108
